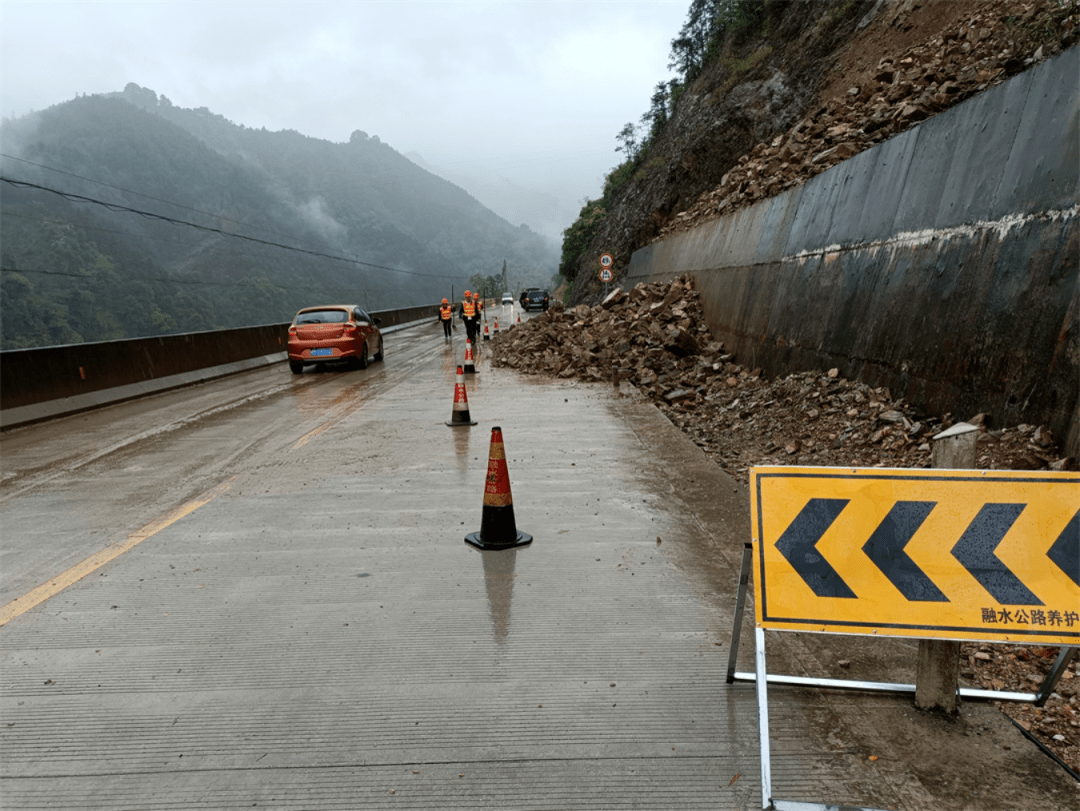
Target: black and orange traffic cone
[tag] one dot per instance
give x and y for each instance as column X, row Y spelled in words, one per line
column 487, row 337
column 460, row 414
column 497, row 527
column 496, row 326
column 469, row 368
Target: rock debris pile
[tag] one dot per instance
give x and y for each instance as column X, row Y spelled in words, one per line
column 996, row 42
column 654, row 336
column 1022, row 669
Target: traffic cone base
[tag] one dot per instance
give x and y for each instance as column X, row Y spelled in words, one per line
column 498, row 529
column 476, row 539
column 460, row 415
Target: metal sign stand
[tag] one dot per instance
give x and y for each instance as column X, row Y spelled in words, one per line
column 762, row 679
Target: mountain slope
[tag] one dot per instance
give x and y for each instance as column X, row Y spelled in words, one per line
column 789, row 88
column 366, row 224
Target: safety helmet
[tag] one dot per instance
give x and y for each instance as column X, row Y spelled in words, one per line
column 467, row 294
column 444, row 301
column 476, row 295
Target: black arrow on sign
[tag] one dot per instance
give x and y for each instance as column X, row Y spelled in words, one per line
column 1066, row 549
column 886, row 549
column 798, row 545
column 975, row 551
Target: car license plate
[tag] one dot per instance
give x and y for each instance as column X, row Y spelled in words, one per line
column 320, row 353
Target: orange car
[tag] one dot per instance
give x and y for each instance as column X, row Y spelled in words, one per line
column 335, row 333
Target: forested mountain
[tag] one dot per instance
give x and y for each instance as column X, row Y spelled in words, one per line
column 192, row 201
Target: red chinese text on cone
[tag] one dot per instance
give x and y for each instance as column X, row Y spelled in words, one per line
column 497, row 527
column 469, row 368
column 460, row 414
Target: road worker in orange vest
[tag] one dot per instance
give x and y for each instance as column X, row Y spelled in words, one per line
column 468, row 315
column 446, row 316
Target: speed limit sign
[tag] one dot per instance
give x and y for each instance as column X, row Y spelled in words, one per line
column 605, row 275
column 606, row 260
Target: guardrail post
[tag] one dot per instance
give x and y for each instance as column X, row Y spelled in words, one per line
column 937, row 673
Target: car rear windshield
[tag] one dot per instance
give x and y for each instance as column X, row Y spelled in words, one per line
column 323, row 317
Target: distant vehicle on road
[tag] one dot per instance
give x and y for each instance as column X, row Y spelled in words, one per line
column 534, row 297
column 336, row 333
column 508, row 298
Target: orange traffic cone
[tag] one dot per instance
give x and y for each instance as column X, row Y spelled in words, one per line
column 470, row 369
column 460, row 414
column 497, row 527
column 519, row 318
column 496, row 326
column 487, row 337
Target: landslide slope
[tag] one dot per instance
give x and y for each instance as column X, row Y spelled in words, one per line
column 796, row 88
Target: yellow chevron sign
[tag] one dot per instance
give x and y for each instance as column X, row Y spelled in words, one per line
column 950, row 554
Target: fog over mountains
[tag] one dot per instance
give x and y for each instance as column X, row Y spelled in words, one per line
column 521, row 204
column 358, row 222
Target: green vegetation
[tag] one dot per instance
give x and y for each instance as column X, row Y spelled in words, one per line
column 577, row 237
column 486, row 286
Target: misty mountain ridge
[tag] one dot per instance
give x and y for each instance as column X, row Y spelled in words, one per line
column 403, row 235
column 537, row 210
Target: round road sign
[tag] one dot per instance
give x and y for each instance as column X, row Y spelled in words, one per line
column 605, row 275
column 606, row 260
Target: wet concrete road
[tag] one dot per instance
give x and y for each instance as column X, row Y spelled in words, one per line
column 287, row 615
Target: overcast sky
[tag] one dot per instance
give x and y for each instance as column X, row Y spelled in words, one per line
column 488, row 91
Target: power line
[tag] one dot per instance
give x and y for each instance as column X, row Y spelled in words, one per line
column 82, row 227
column 140, row 194
column 115, row 207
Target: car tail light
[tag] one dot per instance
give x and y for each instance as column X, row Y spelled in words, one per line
column 350, row 327
column 292, row 330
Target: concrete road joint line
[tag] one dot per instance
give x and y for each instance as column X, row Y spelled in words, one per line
column 381, row 765
column 20, row 605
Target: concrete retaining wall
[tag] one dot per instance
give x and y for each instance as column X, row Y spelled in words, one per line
column 42, row 383
column 943, row 263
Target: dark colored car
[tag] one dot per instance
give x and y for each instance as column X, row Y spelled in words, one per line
column 337, row 333
column 534, row 297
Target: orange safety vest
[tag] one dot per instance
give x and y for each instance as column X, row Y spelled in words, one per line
column 469, row 309
column 446, row 312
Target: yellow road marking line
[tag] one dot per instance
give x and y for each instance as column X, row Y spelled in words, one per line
column 312, row 434
column 20, row 605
